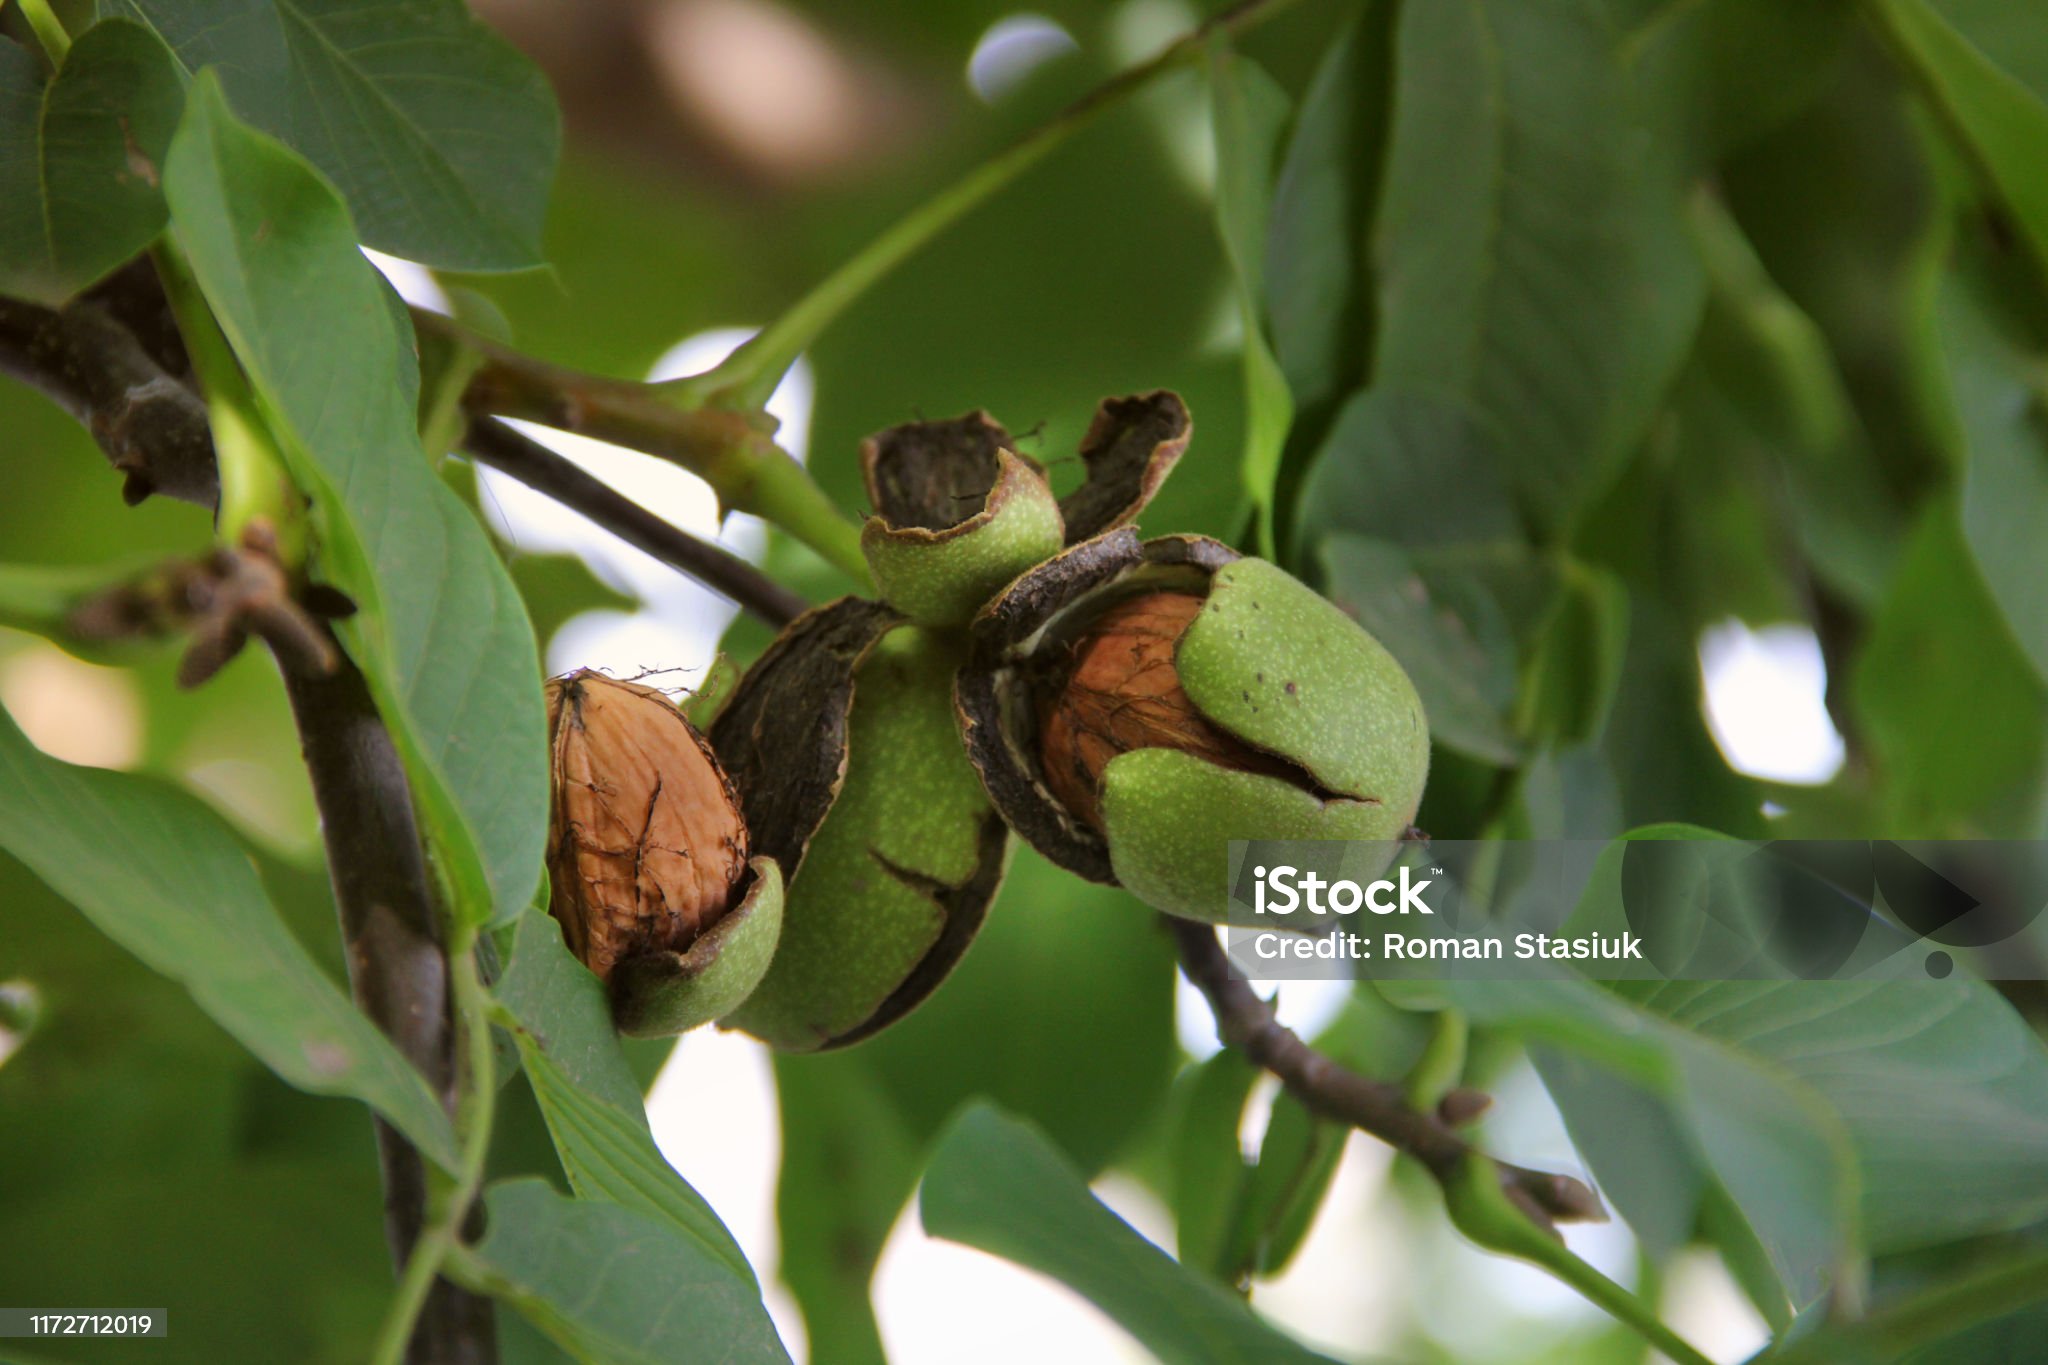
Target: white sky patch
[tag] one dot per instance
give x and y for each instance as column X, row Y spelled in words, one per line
column 1766, row 703
column 678, row 625
column 1012, row 48
column 732, row 1162
column 940, row 1303
column 414, row 282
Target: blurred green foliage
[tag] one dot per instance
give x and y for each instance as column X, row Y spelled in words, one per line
column 1601, row 322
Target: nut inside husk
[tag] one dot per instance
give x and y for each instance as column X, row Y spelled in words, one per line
column 1123, row 692
column 647, row 849
column 1132, row 707
column 1021, row 657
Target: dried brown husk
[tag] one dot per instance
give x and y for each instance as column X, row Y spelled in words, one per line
column 647, row 847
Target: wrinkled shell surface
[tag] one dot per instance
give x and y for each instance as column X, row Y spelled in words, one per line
column 646, row 843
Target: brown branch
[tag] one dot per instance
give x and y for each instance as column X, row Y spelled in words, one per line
column 1247, row 1023
column 396, row 964
column 151, row 425
column 720, row 445
column 510, row 452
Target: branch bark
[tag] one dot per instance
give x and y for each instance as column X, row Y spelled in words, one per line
column 507, row 450
column 1247, row 1023
column 152, row 426
column 396, row 963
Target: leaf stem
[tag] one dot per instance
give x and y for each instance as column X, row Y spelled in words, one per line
column 479, row 1099
column 751, row 373
column 1485, row 1204
column 48, row 30
column 254, row 486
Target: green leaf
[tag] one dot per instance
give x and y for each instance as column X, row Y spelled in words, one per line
column 1411, row 467
column 995, row 1184
column 80, row 158
column 609, row 1154
column 1250, row 111
column 1783, row 1156
column 1318, row 289
column 1530, row 252
column 1716, row 73
column 440, row 136
column 1298, row 1158
column 1447, row 632
column 2001, row 124
column 1953, row 710
column 161, row 875
column 1785, row 1095
column 556, row 588
column 441, row 634
column 587, row 1093
column 617, row 1286
column 563, row 1009
column 1209, row 1171
column 1998, row 400
column 848, row 1163
column 1572, row 678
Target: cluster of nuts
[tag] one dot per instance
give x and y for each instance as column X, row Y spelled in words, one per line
column 817, row 865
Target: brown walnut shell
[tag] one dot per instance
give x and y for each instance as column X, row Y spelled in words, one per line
column 647, row 847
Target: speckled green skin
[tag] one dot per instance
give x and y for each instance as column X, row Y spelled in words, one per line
column 940, row 578
column 660, row 994
column 1276, row 665
column 860, row 913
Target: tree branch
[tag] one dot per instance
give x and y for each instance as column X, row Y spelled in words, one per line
column 510, row 452
column 1247, row 1023
column 732, row 450
column 152, row 427
column 396, row 965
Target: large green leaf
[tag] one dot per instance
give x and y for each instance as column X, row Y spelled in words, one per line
column 617, row 1286
column 1998, row 400
column 1445, row 629
column 440, row 136
column 1530, row 253
column 441, row 634
column 1318, row 291
column 80, row 157
column 1714, row 73
column 588, row 1095
column 161, row 875
column 997, row 1185
column 1250, row 111
column 1785, row 1095
column 1953, row 710
column 2001, row 124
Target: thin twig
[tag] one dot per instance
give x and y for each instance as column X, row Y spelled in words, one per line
column 750, row 374
column 1247, row 1023
column 510, row 452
